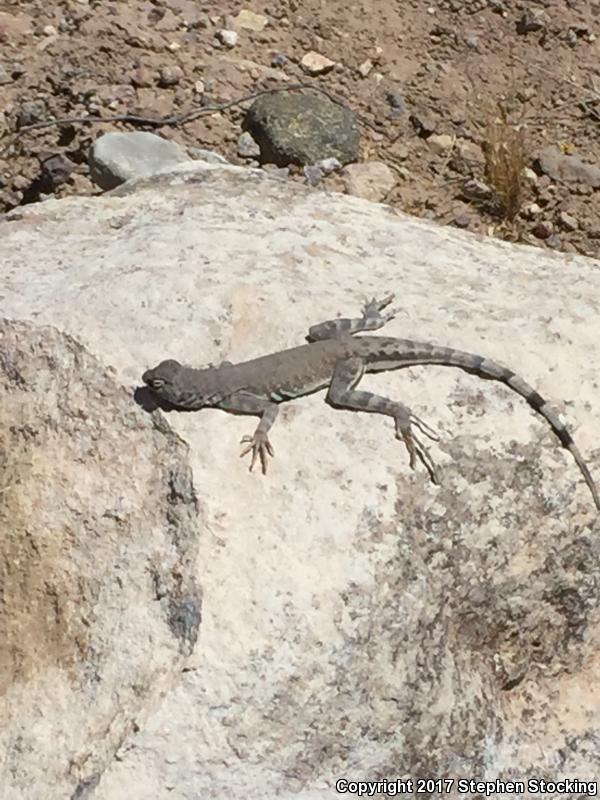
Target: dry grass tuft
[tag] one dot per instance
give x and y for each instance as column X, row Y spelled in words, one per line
column 505, row 159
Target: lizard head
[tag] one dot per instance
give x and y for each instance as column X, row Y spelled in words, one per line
column 162, row 378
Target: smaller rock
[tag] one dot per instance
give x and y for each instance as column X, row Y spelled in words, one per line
column 199, row 86
column 372, row 180
column 470, row 151
column 396, row 100
column 529, row 175
column 531, row 21
column 441, row 143
column 365, row 68
column 170, row 76
column 30, row 112
column 462, row 220
column 477, row 190
column 279, row 60
column 117, row 157
column 314, row 173
column 567, row 222
column 423, row 123
column 141, row 77
column 315, row 64
column 227, row 37
column 531, row 211
column 247, row 147
column 543, row 229
column 250, row 21
column 49, row 30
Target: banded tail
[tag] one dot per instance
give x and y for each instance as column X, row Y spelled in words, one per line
column 485, row 368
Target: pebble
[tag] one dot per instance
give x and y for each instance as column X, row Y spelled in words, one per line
column 531, row 21
column 476, row 189
column 315, row 64
column 568, row 222
column 227, row 37
column 396, row 100
column 170, row 76
column 279, row 60
column 543, row 229
column 365, row 68
column 247, row 147
column 372, row 180
column 441, row 143
column 250, row 20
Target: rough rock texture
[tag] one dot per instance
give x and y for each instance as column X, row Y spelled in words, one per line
column 358, row 622
column 301, row 128
column 99, row 602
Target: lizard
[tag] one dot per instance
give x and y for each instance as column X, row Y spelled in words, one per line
column 335, row 359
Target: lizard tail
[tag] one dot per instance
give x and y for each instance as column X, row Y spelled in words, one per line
column 485, row 368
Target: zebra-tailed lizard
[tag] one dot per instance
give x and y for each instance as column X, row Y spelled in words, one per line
column 335, row 360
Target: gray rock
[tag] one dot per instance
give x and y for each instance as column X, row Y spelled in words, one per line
column 561, row 167
column 302, row 128
column 568, row 222
column 118, row 157
column 247, row 147
column 453, row 613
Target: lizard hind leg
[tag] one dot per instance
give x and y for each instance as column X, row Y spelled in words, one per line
column 342, row 394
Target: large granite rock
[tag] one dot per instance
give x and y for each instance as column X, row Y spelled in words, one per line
column 358, row 622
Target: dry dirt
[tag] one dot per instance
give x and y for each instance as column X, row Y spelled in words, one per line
column 472, row 70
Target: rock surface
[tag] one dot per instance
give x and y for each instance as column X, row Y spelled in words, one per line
column 302, row 127
column 98, row 568
column 357, row 621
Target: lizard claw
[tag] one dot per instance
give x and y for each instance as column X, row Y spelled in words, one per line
column 416, row 449
column 260, row 446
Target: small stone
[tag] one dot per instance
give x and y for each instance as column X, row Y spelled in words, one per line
column 250, row 21
column 543, row 229
column 199, row 86
column 423, row 123
column 142, row 77
column 529, row 175
column 554, row 241
column 470, row 151
column 5, row 76
column 170, row 76
column 315, row 64
column 531, row 210
column 365, row 68
column 247, row 147
column 329, row 165
column 531, row 21
column 568, row 222
column 227, row 37
column 372, row 180
column 441, row 143
column 477, row 190
column 462, row 220
column 396, row 100
column 49, row 30
column 279, row 60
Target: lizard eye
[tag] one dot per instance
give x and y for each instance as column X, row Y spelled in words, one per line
column 157, row 383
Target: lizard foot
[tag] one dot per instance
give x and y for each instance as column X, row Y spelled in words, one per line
column 261, row 448
column 372, row 310
column 416, row 449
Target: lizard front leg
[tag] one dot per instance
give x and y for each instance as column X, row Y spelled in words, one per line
column 244, row 402
column 372, row 319
column 342, row 394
